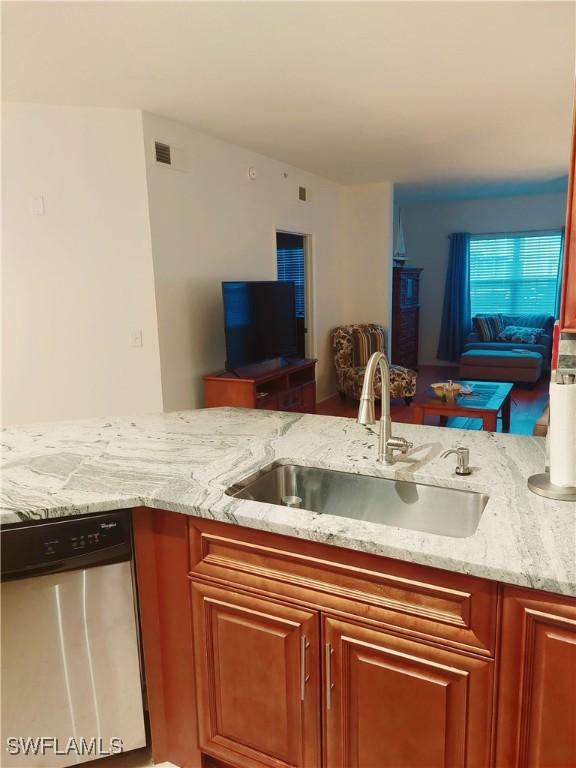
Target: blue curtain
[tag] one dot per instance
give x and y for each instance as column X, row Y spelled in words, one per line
column 456, row 311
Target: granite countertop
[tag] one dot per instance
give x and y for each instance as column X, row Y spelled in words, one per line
column 185, row 461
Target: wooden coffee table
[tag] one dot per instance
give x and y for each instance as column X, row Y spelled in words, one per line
column 488, row 399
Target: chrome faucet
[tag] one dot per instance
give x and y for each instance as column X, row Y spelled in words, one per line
column 387, row 444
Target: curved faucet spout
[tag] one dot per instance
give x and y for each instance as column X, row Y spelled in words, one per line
column 366, row 414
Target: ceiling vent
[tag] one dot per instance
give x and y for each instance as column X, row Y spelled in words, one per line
column 302, row 194
column 162, row 153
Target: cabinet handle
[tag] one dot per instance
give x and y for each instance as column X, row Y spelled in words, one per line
column 304, row 645
column 329, row 683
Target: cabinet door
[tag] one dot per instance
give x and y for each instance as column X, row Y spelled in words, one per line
column 397, row 703
column 257, row 673
column 537, row 687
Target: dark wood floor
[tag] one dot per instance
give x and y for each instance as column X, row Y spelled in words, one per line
column 528, row 402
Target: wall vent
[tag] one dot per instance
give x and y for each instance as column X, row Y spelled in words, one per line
column 302, row 194
column 162, row 153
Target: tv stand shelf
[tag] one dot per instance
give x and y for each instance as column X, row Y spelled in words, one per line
column 275, row 385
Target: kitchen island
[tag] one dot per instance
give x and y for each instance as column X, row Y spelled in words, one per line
column 184, row 462
column 275, row 636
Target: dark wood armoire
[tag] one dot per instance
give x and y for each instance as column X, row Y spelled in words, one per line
column 405, row 316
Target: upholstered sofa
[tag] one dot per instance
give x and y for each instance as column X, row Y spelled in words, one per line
column 544, row 345
column 350, row 376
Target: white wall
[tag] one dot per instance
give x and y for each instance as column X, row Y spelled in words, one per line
column 210, row 222
column 125, row 244
column 77, row 280
column 368, row 256
column 426, row 229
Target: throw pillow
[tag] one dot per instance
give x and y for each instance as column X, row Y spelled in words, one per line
column 364, row 344
column 520, row 335
column 489, row 326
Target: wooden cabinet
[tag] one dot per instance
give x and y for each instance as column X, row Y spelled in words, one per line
column 568, row 305
column 403, row 650
column 453, row 609
column 257, row 677
column 405, row 316
column 391, row 702
column 304, row 655
column 274, row 385
column 537, row 692
column 258, row 671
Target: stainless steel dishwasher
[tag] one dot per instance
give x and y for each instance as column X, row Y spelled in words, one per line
column 71, row 677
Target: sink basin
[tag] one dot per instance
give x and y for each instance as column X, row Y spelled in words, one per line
column 418, row 507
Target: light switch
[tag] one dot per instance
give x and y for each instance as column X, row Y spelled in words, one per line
column 38, row 206
column 136, row 338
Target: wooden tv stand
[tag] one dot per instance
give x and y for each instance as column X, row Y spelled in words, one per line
column 275, row 385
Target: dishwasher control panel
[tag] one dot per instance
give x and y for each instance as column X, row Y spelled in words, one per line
column 68, row 543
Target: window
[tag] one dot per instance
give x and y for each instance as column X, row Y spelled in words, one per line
column 290, row 264
column 515, row 273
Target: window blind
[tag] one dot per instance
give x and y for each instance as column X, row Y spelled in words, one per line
column 515, row 273
column 290, row 262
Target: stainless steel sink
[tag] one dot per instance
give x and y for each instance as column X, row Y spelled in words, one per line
column 428, row 508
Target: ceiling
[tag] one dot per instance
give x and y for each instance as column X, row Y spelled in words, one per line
column 414, row 92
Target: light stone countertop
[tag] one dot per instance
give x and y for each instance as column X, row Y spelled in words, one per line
column 185, row 461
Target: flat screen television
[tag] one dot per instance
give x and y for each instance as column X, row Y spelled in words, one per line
column 259, row 321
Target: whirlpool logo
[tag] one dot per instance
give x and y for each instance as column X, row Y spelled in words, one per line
column 49, row 745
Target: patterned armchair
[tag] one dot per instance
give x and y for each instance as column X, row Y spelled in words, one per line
column 348, row 353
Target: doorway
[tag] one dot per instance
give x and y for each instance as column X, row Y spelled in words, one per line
column 293, row 263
